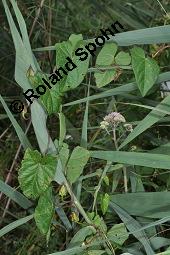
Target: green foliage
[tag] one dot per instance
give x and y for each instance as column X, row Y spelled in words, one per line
column 76, row 163
column 133, row 183
column 105, row 58
column 118, row 234
column 123, row 58
column 36, row 173
column 105, row 202
column 146, row 70
column 44, row 211
column 67, row 49
column 104, row 77
column 106, row 55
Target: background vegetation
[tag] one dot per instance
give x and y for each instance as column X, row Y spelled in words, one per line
column 120, row 201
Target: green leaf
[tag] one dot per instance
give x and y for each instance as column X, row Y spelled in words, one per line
column 106, row 55
column 39, row 119
column 100, row 223
column 118, row 234
column 134, row 158
column 64, row 154
column 95, row 252
column 76, row 76
column 108, row 93
column 105, row 203
column 105, row 58
column 106, row 180
column 152, row 35
column 14, row 225
column 62, row 128
column 84, row 134
column 144, row 204
column 81, row 235
column 123, row 58
column 149, row 120
column 67, row 49
column 16, row 196
column 24, row 55
column 62, row 215
column 36, row 173
column 25, row 59
column 76, row 163
column 44, row 211
column 73, row 251
column 104, row 77
column 128, row 88
column 146, row 70
column 22, row 137
column 133, row 225
column 52, row 99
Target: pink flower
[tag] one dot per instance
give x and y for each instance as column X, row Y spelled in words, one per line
column 114, row 117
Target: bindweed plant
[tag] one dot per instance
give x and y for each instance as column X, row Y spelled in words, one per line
column 60, row 186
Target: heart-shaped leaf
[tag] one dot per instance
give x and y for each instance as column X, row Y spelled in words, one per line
column 36, row 173
column 123, row 58
column 146, row 70
column 105, row 58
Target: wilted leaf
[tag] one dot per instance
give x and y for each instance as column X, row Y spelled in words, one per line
column 44, row 211
column 76, row 163
column 36, row 173
column 146, row 70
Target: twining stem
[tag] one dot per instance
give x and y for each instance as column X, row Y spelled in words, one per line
column 125, row 179
column 77, row 203
column 124, row 168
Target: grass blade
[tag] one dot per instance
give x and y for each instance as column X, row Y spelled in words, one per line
column 22, row 137
column 134, row 158
column 15, row 195
column 153, row 117
column 133, row 225
column 15, row 224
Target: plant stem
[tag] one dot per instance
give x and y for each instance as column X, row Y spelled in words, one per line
column 124, row 168
column 108, row 165
column 77, row 203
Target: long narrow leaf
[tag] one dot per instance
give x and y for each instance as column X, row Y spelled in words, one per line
column 153, row 117
column 133, row 225
column 134, row 158
column 15, row 224
column 22, row 137
column 15, row 195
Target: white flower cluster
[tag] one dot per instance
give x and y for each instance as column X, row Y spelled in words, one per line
column 113, row 119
